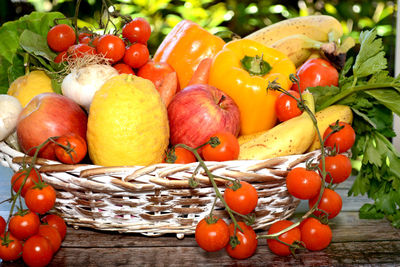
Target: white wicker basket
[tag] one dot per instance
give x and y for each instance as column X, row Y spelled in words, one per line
column 157, row 199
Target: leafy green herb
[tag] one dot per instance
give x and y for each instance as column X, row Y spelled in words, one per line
column 373, row 95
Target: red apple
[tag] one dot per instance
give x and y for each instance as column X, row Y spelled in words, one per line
column 47, row 115
column 200, row 110
column 163, row 77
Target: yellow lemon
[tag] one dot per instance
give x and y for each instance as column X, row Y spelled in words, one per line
column 128, row 123
column 26, row 87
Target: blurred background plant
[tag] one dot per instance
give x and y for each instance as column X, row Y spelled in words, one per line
column 239, row 16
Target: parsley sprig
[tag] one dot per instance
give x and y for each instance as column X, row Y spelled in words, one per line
column 374, row 96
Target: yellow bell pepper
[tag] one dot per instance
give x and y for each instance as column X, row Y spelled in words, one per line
column 243, row 70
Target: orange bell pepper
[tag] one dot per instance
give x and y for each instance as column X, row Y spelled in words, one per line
column 185, row 47
column 243, row 69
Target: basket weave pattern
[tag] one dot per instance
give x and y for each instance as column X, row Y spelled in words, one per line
column 157, row 199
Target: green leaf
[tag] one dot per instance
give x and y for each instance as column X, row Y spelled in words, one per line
column 36, row 44
column 323, row 93
column 388, row 97
column 4, row 65
column 368, row 211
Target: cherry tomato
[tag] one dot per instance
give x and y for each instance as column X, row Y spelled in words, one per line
column 343, row 139
column 243, row 199
column 212, row 236
column 111, row 46
column 331, row 203
column 289, row 237
column 286, row 106
column 61, row 57
column 39, row 199
column 80, row 50
column 70, row 148
column 13, row 250
column 84, row 37
column 123, row 68
column 337, row 167
column 37, row 251
column 57, row 222
column 179, row 155
column 155, row 72
column 18, row 178
column 248, row 241
column 315, row 235
column 316, row 72
column 227, row 149
column 136, row 55
column 24, row 225
column 302, row 183
column 52, row 235
column 3, row 225
column 137, row 30
column 60, row 37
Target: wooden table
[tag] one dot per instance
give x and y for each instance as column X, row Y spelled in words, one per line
column 355, row 242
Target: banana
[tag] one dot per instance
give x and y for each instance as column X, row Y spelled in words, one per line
column 298, row 47
column 291, row 137
column 328, row 116
column 247, row 137
column 321, row 28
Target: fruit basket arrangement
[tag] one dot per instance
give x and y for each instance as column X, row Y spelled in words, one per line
column 152, row 144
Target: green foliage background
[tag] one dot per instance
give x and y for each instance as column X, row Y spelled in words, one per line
column 239, row 16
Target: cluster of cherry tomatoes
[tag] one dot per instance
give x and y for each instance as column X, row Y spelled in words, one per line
column 32, row 233
column 126, row 54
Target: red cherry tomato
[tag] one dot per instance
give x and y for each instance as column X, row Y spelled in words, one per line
column 137, row 30
column 84, row 37
column 40, row 200
column 70, row 148
column 242, row 200
column 80, row 50
column 52, row 235
column 3, row 225
column 155, row 72
column 337, row 167
column 315, row 235
column 18, row 178
column 123, row 68
column 12, row 250
column 60, row 37
column 316, row 72
column 24, row 226
column 57, row 222
column 289, row 237
column 343, row 139
column 248, row 242
column 212, row 236
column 286, row 106
column 136, row 55
column 303, row 183
column 61, row 57
column 37, row 251
column 227, row 149
column 331, row 203
column 111, row 46
column 179, row 155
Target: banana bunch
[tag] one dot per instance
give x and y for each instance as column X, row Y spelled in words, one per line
column 299, row 37
column 291, row 137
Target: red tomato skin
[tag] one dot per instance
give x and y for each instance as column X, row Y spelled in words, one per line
column 37, row 251
column 331, row 202
column 52, row 235
column 137, row 30
column 18, row 178
column 12, row 251
column 61, row 57
column 289, row 237
column 40, row 200
column 3, row 225
column 248, row 242
column 316, row 72
column 286, row 106
column 57, row 222
column 25, row 226
column 244, row 200
column 123, row 68
column 315, row 235
column 60, row 37
column 228, row 149
column 343, row 139
column 111, row 46
column 338, row 168
column 212, row 237
column 155, row 72
column 302, row 183
column 183, row 156
column 80, row 50
column 136, row 55
column 75, row 142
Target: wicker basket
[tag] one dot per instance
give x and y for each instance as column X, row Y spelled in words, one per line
column 157, row 199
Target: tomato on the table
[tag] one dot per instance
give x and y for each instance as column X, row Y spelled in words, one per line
column 60, row 37
column 227, row 149
column 70, row 148
column 40, row 198
column 10, row 247
column 247, row 241
column 3, row 225
column 303, row 183
column 52, row 235
column 331, row 203
column 24, row 225
column 315, row 235
column 37, row 251
column 341, row 140
column 212, row 234
column 241, row 197
column 18, row 178
column 288, row 237
column 57, row 222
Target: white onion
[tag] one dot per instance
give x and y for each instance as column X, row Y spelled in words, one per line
column 10, row 108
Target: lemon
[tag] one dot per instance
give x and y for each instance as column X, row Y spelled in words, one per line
column 127, row 124
column 26, row 87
